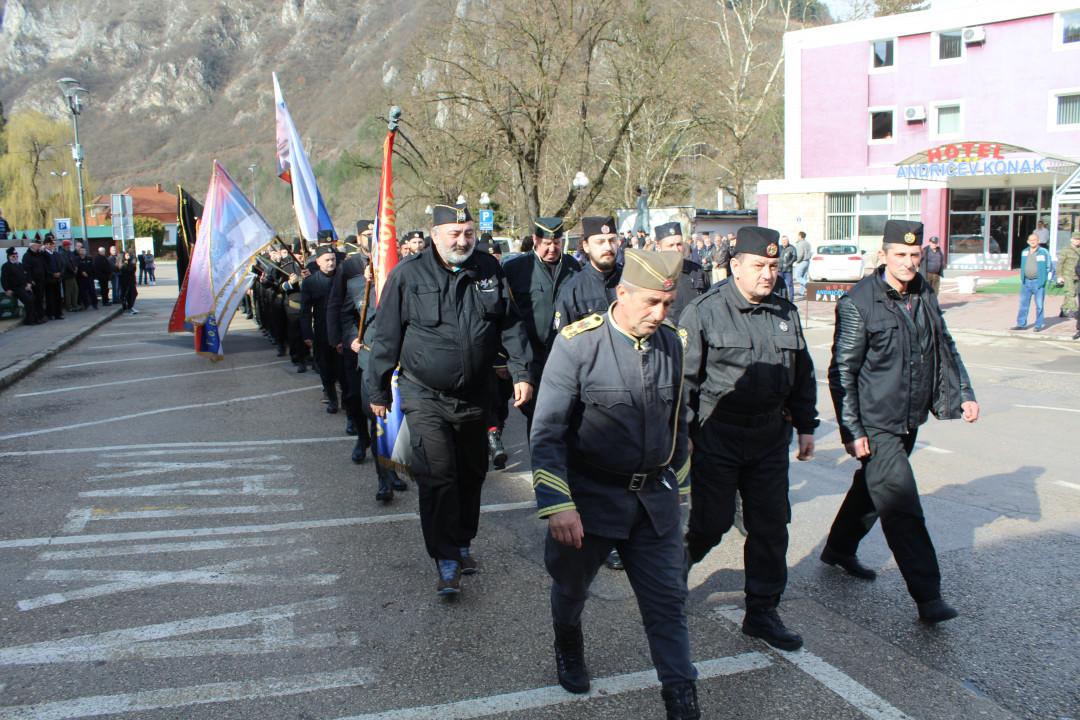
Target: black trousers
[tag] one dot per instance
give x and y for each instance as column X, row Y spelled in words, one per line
column 104, row 285
column 27, row 300
column 754, row 463
column 53, row 302
column 298, row 351
column 501, row 395
column 329, row 365
column 654, row 566
column 449, row 462
column 38, row 292
column 885, row 487
column 87, row 296
column 353, row 397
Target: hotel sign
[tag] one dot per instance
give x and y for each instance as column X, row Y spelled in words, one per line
column 965, row 159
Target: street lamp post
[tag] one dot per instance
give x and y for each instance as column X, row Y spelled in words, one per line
column 251, row 169
column 63, row 190
column 75, row 95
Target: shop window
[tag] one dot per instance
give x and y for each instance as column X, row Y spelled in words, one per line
column 881, row 125
column 950, row 45
column 1046, row 196
column 947, row 120
column 1024, row 199
column 967, row 200
column 1068, row 109
column 965, row 234
column 1000, row 200
column 882, row 54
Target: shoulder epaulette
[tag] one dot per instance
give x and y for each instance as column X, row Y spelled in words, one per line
column 589, row 322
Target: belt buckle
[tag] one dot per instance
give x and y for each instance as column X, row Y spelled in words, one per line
column 637, row 481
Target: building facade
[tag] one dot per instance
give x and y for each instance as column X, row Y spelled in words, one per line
column 966, row 118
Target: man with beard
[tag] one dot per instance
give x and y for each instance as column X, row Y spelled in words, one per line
column 593, row 289
column 691, row 282
column 748, row 379
column 614, row 381
column 443, row 315
column 314, row 291
column 535, row 281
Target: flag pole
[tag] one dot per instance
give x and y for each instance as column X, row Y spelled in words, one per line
column 392, row 127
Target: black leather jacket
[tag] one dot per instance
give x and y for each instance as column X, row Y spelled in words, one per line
column 871, row 376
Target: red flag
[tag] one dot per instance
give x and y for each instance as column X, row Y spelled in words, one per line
column 385, row 254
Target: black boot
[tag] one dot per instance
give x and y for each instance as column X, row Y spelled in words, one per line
column 849, row 563
column 767, row 625
column 570, row 659
column 331, row 401
column 680, row 701
column 396, row 482
column 385, row 493
column 350, row 426
column 496, row 449
column 935, row 611
column 359, row 451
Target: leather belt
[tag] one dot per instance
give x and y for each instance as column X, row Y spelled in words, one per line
column 631, row 481
column 746, row 421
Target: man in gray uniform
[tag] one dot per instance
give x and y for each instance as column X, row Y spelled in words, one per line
column 749, row 378
column 614, row 381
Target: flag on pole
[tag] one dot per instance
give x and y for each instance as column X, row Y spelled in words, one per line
column 392, row 446
column 230, row 234
column 295, row 169
column 188, row 212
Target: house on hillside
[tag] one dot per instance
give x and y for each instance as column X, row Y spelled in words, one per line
column 146, row 200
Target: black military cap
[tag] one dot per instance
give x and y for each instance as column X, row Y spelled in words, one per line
column 548, row 227
column 12, row 251
column 443, row 214
column 485, row 237
column 413, row 234
column 326, row 236
column 363, row 226
column 597, row 225
column 902, row 232
column 667, row 230
column 755, row 240
column 350, row 239
column 324, row 250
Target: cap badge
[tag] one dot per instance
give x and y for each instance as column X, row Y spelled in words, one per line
column 783, row 326
column 771, row 250
column 668, row 283
column 909, row 238
column 461, row 215
column 605, row 229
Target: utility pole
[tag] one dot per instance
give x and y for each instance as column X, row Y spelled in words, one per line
column 75, row 96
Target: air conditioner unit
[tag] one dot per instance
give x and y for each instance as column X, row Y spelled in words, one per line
column 915, row 113
column 974, row 35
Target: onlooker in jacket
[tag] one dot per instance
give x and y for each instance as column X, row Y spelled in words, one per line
column 151, row 268
column 84, row 269
column 36, row 264
column 803, row 251
column 128, row 289
column 1068, row 261
column 115, row 261
column 53, row 299
column 103, row 273
column 934, row 264
column 142, row 268
column 1034, row 272
column 70, row 282
column 16, row 284
column 788, row 255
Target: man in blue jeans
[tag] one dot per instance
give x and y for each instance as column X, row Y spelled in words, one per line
column 1034, row 272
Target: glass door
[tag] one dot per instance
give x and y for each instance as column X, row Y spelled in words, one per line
column 1023, row 225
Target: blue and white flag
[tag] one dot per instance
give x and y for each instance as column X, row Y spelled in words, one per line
column 295, row 169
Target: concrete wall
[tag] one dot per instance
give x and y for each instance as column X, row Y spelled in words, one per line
column 789, row 213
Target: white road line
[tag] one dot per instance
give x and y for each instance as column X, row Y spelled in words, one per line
column 1071, row 486
column 236, row 529
column 131, row 359
column 1026, row 371
column 555, row 695
column 1049, row 407
column 121, row 581
column 147, row 700
column 251, row 485
column 168, row 548
column 154, row 378
column 919, row 445
column 180, row 447
column 79, row 517
column 156, row 411
column 851, row 692
column 190, row 451
column 137, row 332
column 151, row 641
column 127, row 344
column 160, row 468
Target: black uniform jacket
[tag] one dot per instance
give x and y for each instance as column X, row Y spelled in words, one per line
column 13, row 277
column 610, row 405
column 314, row 292
column 534, row 288
column 745, row 359
column 690, row 284
column 587, row 292
column 869, row 377
column 445, row 327
column 36, row 265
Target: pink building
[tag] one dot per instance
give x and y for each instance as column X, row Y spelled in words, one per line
column 966, row 118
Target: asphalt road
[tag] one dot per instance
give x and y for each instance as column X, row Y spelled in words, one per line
column 183, row 539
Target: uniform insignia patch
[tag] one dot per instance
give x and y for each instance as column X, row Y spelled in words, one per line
column 771, row 250
column 668, row 284
column 558, row 319
column 590, row 322
column 909, row 238
column 783, row 325
column 488, row 284
column 605, row 229
column 684, row 337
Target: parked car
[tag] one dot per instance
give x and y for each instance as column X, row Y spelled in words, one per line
column 837, row 262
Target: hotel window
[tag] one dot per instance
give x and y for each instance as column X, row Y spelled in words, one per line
column 1068, row 28
column 881, row 125
column 862, row 216
column 882, row 54
column 950, row 45
column 1068, row 109
column 840, row 216
column 948, row 119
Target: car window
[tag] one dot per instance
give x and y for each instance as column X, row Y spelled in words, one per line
column 837, row 250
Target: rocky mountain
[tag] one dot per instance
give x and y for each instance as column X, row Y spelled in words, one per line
column 175, row 85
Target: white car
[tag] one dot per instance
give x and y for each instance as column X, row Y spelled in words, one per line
column 837, row 262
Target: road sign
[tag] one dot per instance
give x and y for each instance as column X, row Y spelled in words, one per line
column 123, row 221
column 487, row 220
column 62, row 228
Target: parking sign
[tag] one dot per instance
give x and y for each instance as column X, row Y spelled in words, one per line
column 62, row 228
column 487, row 220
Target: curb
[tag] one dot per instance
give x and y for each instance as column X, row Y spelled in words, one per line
column 16, row 372
column 1008, row 334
